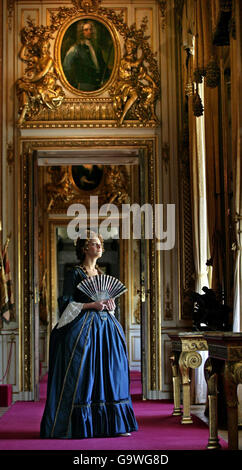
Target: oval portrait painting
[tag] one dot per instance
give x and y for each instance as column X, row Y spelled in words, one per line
column 87, row 177
column 87, row 55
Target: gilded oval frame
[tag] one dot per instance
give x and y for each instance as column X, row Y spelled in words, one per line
column 116, row 49
column 90, row 191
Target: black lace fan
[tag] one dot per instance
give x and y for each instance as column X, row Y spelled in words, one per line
column 102, row 287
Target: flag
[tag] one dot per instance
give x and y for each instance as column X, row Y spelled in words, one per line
column 9, row 313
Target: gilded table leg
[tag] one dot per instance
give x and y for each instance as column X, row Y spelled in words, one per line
column 232, row 377
column 176, row 384
column 187, row 360
column 210, row 373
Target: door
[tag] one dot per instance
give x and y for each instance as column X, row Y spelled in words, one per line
column 144, row 281
column 34, row 270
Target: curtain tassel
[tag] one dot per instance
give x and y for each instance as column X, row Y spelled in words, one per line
column 213, row 73
column 197, row 105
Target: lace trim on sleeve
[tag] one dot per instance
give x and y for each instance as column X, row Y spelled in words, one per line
column 70, row 313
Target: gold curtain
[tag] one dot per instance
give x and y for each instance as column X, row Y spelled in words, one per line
column 201, row 87
column 205, row 61
column 211, row 117
column 199, row 215
column 202, row 48
column 204, row 68
column 198, row 188
column 195, row 23
column 236, row 99
column 205, row 65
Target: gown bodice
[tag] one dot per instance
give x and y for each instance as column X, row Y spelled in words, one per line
column 71, row 293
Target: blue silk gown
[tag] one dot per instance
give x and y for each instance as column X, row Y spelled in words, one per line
column 88, row 381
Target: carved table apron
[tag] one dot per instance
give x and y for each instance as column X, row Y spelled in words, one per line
column 185, row 355
column 225, row 358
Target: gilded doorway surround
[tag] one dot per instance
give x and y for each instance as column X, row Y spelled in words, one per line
column 148, row 148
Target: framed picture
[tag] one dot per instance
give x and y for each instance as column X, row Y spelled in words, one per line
column 87, row 177
column 87, row 52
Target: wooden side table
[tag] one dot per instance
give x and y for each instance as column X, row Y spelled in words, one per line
column 185, row 356
column 225, row 357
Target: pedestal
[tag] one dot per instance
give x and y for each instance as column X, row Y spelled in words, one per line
column 185, row 356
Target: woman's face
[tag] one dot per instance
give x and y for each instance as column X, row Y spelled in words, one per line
column 94, row 249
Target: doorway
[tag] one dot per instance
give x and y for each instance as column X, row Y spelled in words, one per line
column 121, row 258
column 34, row 156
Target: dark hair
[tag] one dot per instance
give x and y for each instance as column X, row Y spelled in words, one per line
column 82, row 244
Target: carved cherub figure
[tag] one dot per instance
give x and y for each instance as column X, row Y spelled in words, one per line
column 38, row 88
column 135, row 86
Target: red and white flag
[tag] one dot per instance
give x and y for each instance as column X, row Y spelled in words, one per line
column 7, row 311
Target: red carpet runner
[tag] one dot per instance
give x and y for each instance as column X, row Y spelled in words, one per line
column 158, row 429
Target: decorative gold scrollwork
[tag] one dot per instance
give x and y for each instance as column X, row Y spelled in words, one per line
column 135, row 87
column 191, row 359
column 61, row 191
column 87, row 5
column 60, row 187
column 38, row 88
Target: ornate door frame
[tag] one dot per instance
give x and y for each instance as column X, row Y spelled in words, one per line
column 148, row 147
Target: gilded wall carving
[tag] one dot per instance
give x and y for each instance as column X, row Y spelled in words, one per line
column 38, row 88
column 63, row 188
column 101, row 70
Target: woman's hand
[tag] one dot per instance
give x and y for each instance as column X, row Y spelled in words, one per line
column 110, row 304
column 100, row 305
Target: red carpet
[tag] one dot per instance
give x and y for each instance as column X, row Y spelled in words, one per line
column 158, row 429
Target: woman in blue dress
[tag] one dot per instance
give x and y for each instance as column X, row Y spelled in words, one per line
column 88, row 381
